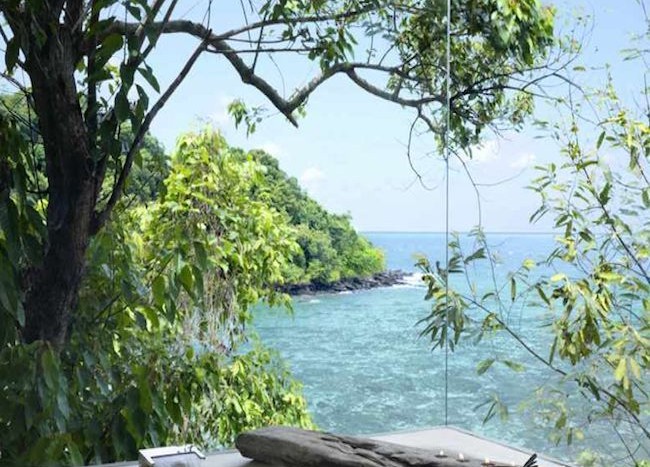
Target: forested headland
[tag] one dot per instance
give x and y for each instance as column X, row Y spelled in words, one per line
column 329, row 249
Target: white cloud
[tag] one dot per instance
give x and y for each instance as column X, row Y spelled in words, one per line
column 523, row 161
column 221, row 117
column 487, row 151
column 272, row 148
column 311, row 176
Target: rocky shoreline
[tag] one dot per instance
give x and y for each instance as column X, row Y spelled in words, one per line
column 381, row 279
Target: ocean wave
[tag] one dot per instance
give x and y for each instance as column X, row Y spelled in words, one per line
column 411, row 280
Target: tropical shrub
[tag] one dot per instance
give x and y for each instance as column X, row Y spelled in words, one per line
column 590, row 296
column 157, row 352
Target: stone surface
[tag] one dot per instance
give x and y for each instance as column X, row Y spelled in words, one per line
column 293, row 447
column 451, row 439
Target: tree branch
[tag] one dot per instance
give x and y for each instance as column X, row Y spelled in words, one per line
column 22, row 88
column 372, row 89
column 217, row 43
column 300, row 20
column 99, row 219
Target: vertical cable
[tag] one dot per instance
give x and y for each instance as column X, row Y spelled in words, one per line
column 447, row 129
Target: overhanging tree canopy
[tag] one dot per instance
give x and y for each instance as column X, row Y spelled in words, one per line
column 70, row 50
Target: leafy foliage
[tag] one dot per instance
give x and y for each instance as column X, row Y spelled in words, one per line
column 88, row 65
column 21, row 223
column 156, row 351
column 592, row 292
column 150, row 168
column 482, row 32
column 329, row 247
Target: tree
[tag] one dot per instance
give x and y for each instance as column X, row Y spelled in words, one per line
column 590, row 296
column 155, row 353
column 329, row 247
column 81, row 99
column 151, row 164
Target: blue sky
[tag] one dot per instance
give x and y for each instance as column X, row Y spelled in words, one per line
column 349, row 152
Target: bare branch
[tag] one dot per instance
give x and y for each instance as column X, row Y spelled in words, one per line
column 301, row 20
column 165, row 20
column 217, row 44
column 372, row 89
column 196, row 29
column 3, row 35
column 21, row 87
column 262, row 50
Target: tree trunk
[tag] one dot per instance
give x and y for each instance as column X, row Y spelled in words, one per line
column 52, row 286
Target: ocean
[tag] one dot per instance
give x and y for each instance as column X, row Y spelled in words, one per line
column 366, row 370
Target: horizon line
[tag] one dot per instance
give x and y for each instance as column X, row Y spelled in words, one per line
column 455, row 231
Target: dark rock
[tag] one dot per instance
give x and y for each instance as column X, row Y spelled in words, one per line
column 381, row 279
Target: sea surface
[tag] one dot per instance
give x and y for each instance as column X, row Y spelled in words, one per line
column 366, row 369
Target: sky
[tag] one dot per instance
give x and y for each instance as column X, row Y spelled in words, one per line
column 349, row 152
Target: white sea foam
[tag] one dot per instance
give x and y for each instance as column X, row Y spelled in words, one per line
column 411, row 280
column 314, row 300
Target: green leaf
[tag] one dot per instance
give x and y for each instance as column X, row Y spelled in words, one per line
column 62, row 404
column 135, row 11
column 187, row 279
column 75, row 455
column 158, row 288
column 645, row 196
column 621, row 369
column 50, row 368
column 515, row 366
column 126, row 75
column 604, row 196
column 478, row 254
column 201, row 255
column 122, row 106
column 11, row 54
column 4, row 298
column 117, row 348
column 144, row 390
column 484, row 366
column 634, row 367
column 107, row 49
column 551, row 354
column 20, row 314
column 148, row 75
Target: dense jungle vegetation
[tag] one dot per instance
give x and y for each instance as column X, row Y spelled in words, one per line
column 329, row 248
column 161, row 317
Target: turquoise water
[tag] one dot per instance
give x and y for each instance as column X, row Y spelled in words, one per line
column 365, row 370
